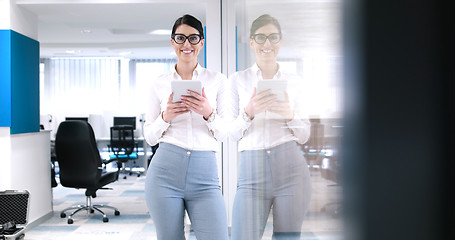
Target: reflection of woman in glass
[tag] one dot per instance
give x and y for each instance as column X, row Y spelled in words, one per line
column 183, row 174
column 272, row 171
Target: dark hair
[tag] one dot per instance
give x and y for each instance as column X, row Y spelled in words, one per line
column 262, row 21
column 190, row 21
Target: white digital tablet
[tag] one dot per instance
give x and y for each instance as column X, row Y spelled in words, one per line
column 181, row 87
column 278, row 87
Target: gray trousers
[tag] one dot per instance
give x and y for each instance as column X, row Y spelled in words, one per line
column 178, row 179
column 278, row 177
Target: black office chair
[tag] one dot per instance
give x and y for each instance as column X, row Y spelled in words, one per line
column 313, row 149
column 154, row 148
column 124, row 147
column 53, row 160
column 330, row 170
column 80, row 165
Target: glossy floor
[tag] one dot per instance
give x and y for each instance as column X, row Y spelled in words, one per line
column 134, row 222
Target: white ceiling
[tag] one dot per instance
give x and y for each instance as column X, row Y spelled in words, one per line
column 98, row 29
column 112, row 28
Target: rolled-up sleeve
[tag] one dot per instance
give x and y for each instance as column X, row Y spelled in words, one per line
column 219, row 126
column 154, row 126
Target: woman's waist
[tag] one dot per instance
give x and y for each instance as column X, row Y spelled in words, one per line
column 264, row 143
column 196, row 145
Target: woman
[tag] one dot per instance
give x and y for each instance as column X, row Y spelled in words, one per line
column 272, row 170
column 183, row 174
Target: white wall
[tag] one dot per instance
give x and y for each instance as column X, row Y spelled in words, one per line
column 5, row 149
column 25, row 165
column 5, row 16
column 30, row 170
column 18, row 19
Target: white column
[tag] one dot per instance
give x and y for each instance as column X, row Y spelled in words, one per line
column 25, row 160
column 229, row 67
column 213, row 35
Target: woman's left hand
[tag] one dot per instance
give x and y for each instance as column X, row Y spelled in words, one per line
column 198, row 103
column 283, row 108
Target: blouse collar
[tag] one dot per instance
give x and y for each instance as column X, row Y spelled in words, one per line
column 196, row 72
column 258, row 72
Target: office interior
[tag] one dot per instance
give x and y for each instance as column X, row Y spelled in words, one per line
column 321, row 44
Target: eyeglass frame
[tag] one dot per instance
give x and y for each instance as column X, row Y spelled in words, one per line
column 266, row 38
column 187, row 38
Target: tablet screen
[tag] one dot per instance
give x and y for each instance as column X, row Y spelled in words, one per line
column 278, row 87
column 181, row 87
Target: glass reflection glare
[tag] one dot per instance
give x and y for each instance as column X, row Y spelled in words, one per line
column 269, row 125
column 308, row 58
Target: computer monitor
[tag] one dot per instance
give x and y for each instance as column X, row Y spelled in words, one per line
column 77, row 118
column 125, row 121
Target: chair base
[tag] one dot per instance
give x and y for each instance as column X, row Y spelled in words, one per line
column 130, row 172
column 89, row 208
column 333, row 209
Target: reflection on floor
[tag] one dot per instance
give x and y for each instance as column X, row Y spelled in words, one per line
column 134, row 222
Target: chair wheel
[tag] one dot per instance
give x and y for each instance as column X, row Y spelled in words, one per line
column 70, row 221
column 105, row 219
column 62, row 215
column 124, row 177
column 117, row 212
column 138, row 175
column 92, row 211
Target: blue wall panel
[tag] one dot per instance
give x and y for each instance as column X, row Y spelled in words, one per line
column 19, row 82
column 5, row 78
column 24, row 84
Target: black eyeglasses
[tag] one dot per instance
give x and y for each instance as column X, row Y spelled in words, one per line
column 261, row 38
column 192, row 38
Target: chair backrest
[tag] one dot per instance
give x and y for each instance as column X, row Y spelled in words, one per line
column 316, row 140
column 77, row 155
column 122, row 139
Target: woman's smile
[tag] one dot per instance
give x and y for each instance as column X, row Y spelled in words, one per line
column 267, row 51
column 187, row 51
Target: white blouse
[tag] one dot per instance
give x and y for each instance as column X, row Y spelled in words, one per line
column 189, row 130
column 267, row 129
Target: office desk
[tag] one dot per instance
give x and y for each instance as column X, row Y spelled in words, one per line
column 144, row 150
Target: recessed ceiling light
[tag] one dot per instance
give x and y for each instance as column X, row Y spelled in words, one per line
column 86, row 31
column 124, row 53
column 70, row 51
column 161, row 32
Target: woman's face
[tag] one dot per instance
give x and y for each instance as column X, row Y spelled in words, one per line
column 186, row 51
column 267, row 50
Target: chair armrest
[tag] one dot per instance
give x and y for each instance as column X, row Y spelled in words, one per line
column 105, row 162
column 119, row 163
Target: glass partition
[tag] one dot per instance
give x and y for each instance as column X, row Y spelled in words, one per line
column 286, row 165
column 280, row 170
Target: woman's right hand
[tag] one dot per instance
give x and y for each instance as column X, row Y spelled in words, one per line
column 173, row 109
column 259, row 102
